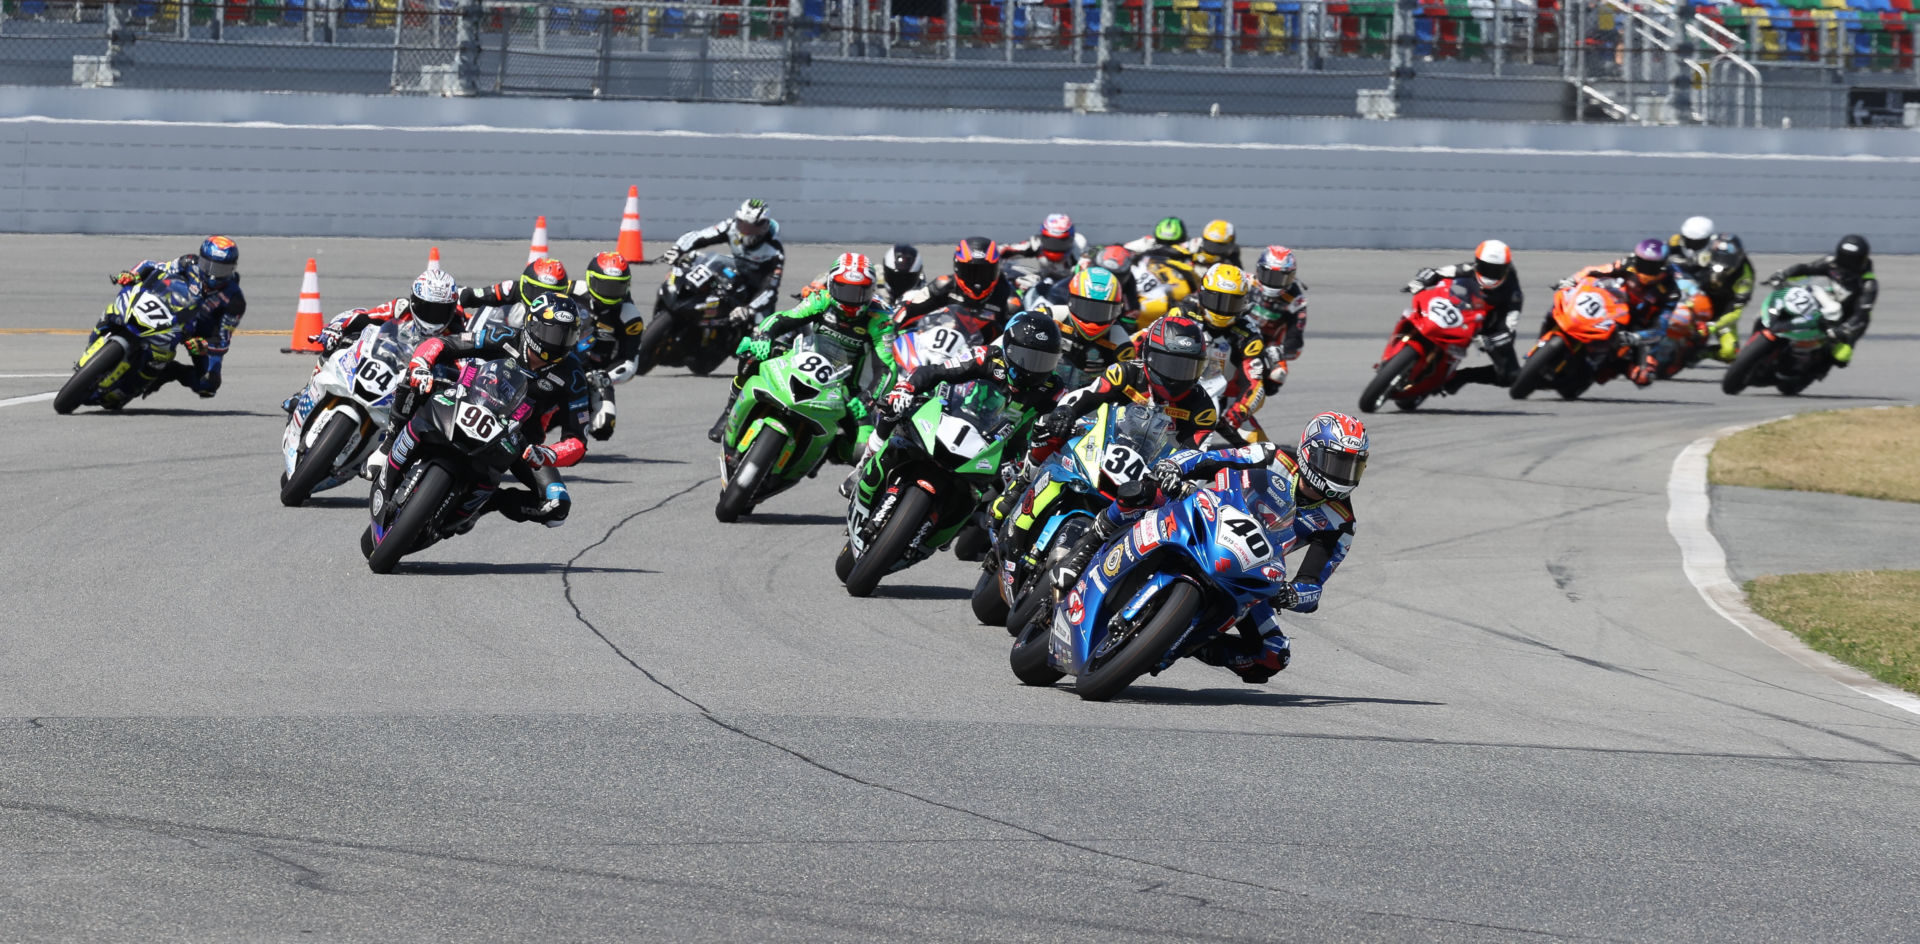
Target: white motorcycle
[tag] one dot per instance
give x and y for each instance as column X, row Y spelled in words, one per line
column 341, row 416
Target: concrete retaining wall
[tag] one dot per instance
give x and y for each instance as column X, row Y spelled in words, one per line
column 123, row 161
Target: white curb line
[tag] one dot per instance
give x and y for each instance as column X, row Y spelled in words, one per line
column 34, row 398
column 1706, row 565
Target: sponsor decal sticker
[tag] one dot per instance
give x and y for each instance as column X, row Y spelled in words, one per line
column 1076, row 608
column 1114, row 558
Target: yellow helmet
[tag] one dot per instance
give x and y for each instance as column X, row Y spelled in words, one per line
column 1216, row 242
column 1223, row 295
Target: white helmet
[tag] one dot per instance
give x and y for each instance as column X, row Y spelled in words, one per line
column 1492, row 262
column 751, row 225
column 432, row 304
column 1696, row 231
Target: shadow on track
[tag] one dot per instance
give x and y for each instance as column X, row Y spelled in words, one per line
column 1446, row 411
column 790, row 518
column 1162, row 695
column 617, row 458
column 908, row 591
column 471, row 568
column 1829, row 396
column 1636, row 401
column 335, row 501
column 177, row 411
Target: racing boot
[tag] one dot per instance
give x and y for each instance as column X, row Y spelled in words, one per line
column 1842, row 354
column 720, row 422
column 1068, row 572
column 1254, row 662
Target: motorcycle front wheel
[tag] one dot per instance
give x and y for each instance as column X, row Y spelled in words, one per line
column 1539, row 365
column 1178, row 605
column 652, row 339
column 1391, row 376
column 413, row 520
column 1757, row 352
column 86, row 379
column 988, row 607
column 891, row 544
column 737, row 498
column 318, row 462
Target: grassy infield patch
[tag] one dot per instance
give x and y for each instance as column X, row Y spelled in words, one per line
column 1867, row 619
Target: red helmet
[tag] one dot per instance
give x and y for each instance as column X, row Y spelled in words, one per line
column 608, row 278
column 1114, row 259
column 850, row 282
column 543, row 277
column 976, row 267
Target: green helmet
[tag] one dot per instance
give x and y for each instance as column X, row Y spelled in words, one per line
column 1170, row 230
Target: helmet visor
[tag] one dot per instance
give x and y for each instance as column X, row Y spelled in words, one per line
column 1059, row 246
column 1093, row 311
column 1276, row 279
column 850, row 296
column 1030, row 359
column 548, row 339
column 434, row 314
column 1172, row 370
column 1223, row 303
column 1490, row 273
column 976, row 274
column 1216, row 248
column 1341, row 469
column 1647, row 267
column 753, row 230
column 610, row 290
column 217, row 270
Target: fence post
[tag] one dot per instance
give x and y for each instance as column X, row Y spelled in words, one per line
column 605, row 54
column 1578, row 45
column 1228, row 22
column 1680, row 94
column 217, row 31
column 1499, row 36
column 1079, row 28
column 1401, row 56
column 466, row 58
column 1103, row 50
column 953, row 30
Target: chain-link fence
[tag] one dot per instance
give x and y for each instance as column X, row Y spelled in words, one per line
column 1640, row 61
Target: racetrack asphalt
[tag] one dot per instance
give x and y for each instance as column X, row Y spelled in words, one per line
column 1513, row 719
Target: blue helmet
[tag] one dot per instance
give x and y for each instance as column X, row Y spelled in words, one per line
column 1333, row 453
column 219, row 257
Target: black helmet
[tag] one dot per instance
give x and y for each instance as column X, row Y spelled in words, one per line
column 609, row 280
column 901, row 269
column 1851, row 254
column 1031, row 346
column 976, row 266
column 553, row 322
column 1174, row 354
column 1726, row 257
column 542, row 277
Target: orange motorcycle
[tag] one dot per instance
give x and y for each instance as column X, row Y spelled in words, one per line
column 1585, row 341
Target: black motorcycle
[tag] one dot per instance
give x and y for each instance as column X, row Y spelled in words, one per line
column 692, row 325
column 448, row 458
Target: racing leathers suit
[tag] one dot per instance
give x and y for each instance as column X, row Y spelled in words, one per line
column 1729, row 299
column 869, row 332
column 1658, row 314
column 986, row 316
column 557, row 395
column 611, row 351
column 1236, row 370
column 344, row 328
column 1504, row 302
column 1282, row 318
column 989, row 364
column 760, row 267
column 208, row 331
column 1269, row 477
column 1856, row 292
column 1084, row 358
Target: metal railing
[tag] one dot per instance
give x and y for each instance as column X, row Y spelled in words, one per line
column 1613, row 60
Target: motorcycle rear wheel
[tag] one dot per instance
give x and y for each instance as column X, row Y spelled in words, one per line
column 318, row 462
column 1390, row 377
column 86, row 379
column 1757, row 352
column 1028, row 658
column 988, row 607
column 891, row 544
column 1171, row 618
column 413, row 520
column 1540, row 364
column 652, row 339
column 737, row 498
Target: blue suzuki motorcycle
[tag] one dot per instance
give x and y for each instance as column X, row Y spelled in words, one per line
column 1183, row 574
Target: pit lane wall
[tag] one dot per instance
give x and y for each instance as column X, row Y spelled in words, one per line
column 131, row 161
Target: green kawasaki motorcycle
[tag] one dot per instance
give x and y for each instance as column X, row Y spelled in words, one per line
column 785, row 423
column 921, row 486
column 1788, row 349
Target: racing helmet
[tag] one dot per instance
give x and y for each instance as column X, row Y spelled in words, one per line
column 1056, row 238
column 1174, row 352
column 751, row 226
column 1492, row 263
column 1725, row 259
column 549, row 332
column 1031, row 346
column 1851, row 254
column 1694, row 234
column 1223, row 296
column 434, row 300
column 976, row 267
column 1273, row 274
column 1649, row 262
column 850, row 282
column 219, row 258
column 180, row 293
column 609, row 279
column 1170, row 231
column 1216, row 243
column 1093, row 300
column 1115, row 259
column 900, row 268
column 543, row 277
column 1333, row 454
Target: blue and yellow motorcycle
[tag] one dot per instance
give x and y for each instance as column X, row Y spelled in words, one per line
column 132, row 346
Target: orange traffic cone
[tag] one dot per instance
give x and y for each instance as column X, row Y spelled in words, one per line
column 632, row 246
column 538, row 250
column 433, row 259
column 307, row 320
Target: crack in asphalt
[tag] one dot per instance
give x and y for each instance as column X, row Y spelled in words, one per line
column 714, row 718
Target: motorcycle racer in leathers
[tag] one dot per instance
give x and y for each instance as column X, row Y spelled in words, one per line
column 613, row 328
column 432, row 309
column 544, row 347
column 985, row 295
column 1236, row 352
column 1280, row 312
column 754, row 238
column 843, row 313
column 1492, row 268
column 1304, row 499
column 1850, row 269
column 208, row 332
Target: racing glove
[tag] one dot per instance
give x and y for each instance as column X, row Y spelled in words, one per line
column 195, row 346
column 624, row 370
column 756, row 348
column 1054, row 425
column 671, row 256
column 123, row 278
column 1170, row 477
column 1421, row 280
column 540, row 457
column 1286, row 598
column 899, row 398
column 740, row 316
column 420, row 375
column 1776, row 278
